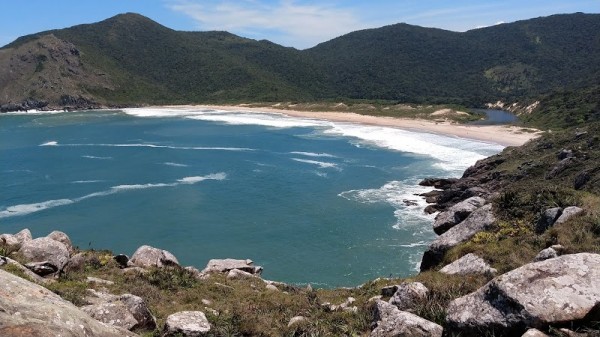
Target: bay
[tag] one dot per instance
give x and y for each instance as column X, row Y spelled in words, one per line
column 330, row 204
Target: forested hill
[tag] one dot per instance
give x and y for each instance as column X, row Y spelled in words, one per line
column 130, row 59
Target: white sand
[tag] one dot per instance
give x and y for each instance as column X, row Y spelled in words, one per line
column 499, row 134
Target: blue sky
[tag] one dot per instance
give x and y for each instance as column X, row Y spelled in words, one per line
column 294, row 23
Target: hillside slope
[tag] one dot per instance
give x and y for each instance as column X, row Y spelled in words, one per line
column 130, row 59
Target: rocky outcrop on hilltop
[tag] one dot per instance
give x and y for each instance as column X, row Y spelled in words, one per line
column 48, row 73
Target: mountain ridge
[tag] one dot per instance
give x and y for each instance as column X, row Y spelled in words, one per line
column 147, row 63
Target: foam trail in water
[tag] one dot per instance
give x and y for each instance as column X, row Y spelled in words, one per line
column 32, row 208
column 312, row 154
column 25, row 209
column 175, row 164
column 50, row 143
column 321, row 164
column 150, row 145
column 86, row 181
column 95, row 157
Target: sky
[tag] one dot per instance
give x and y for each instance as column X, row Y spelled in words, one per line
column 291, row 23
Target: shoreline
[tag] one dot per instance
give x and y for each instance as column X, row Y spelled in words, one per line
column 505, row 135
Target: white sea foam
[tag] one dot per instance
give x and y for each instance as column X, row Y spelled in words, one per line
column 175, row 164
column 321, row 164
column 31, row 112
column 86, row 181
column 402, row 195
column 312, row 154
column 95, row 157
column 264, row 119
column 32, row 208
column 153, row 146
column 50, row 143
column 454, row 154
column 193, row 180
column 25, row 209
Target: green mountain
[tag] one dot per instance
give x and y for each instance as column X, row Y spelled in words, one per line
column 130, row 59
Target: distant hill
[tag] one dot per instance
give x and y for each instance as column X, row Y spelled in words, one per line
column 130, row 59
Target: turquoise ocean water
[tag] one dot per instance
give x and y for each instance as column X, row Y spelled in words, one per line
column 311, row 201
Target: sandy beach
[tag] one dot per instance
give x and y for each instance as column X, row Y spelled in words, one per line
column 499, row 134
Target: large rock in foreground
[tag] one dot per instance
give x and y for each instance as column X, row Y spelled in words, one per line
column 480, row 220
column 147, row 256
column 551, row 292
column 33, row 311
column 46, row 249
column 393, row 322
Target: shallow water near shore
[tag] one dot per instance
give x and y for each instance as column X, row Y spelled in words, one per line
column 331, row 204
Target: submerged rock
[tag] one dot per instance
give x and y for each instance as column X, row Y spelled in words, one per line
column 557, row 291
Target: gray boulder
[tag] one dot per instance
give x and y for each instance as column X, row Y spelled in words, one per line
column 24, row 235
column 558, row 291
column 225, row 265
column 469, row 264
column 112, row 313
column 62, row 238
column 480, row 220
column 9, row 243
column 548, row 219
column 187, row 324
column 33, row 311
column 146, row 256
column 126, row 311
column 76, row 262
column 568, row 213
column 545, row 254
column 392, row 322
column 409, row 294
column 46, row 250
column 235, row 274
column 12, row 243
column 455, row 214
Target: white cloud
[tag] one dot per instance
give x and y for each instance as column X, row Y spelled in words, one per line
column 285, row 21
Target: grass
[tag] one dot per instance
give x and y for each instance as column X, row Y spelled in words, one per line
column 379, row 108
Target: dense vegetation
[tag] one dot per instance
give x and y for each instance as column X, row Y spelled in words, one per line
column 149, row 63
